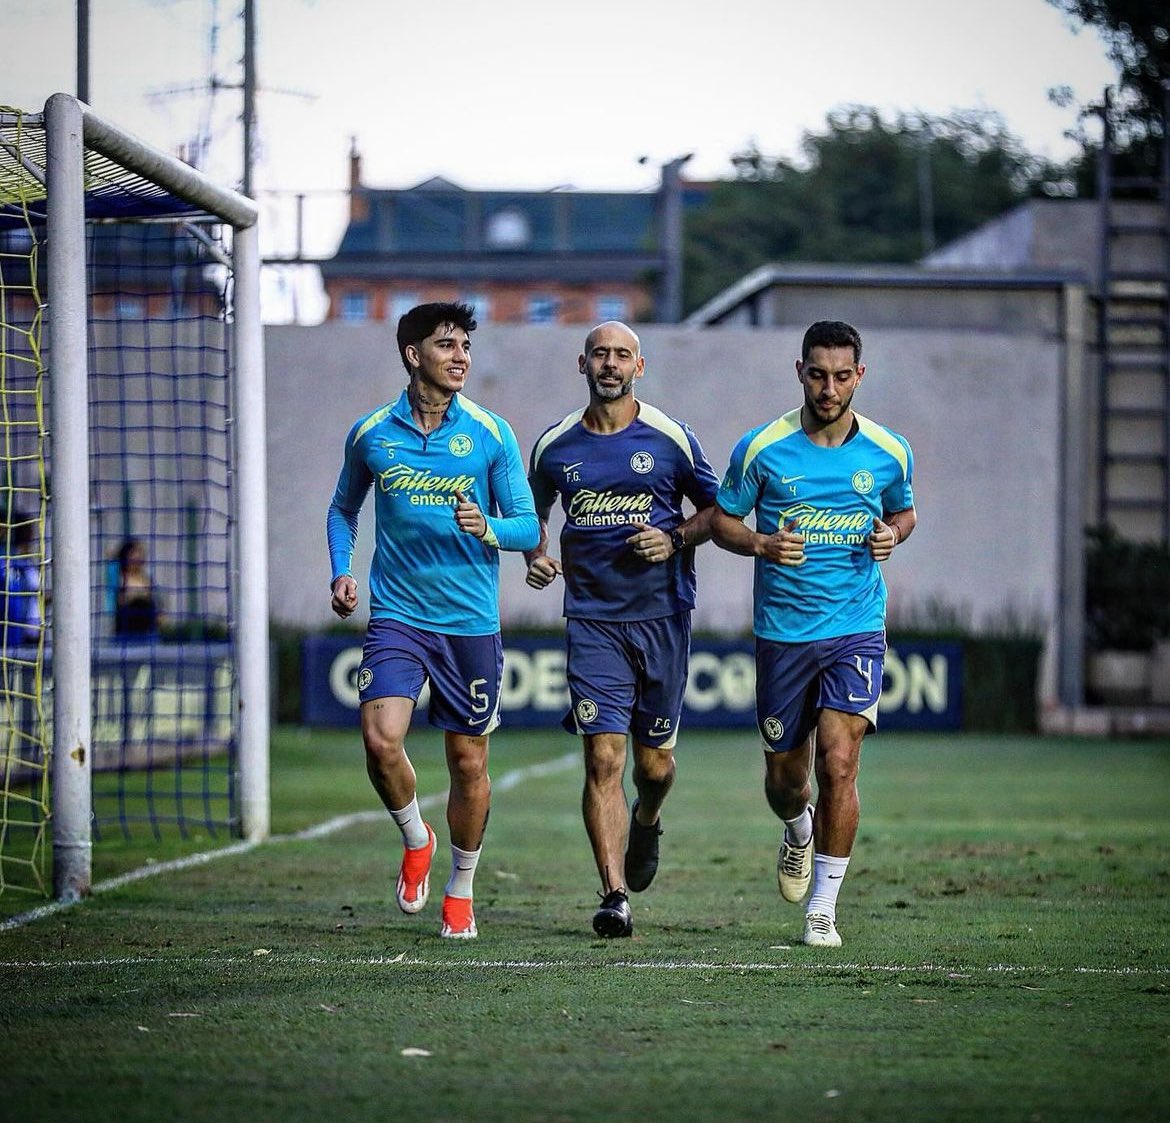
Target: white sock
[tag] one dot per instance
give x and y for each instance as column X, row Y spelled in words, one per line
column 828, row 873
column 463, row 863
column 799, row 830
column 410, row 823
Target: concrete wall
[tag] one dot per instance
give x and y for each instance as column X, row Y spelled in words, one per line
column 981, row 410
column 1056, row 234
column 968, row 311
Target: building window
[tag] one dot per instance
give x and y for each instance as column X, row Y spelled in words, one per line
column 480, row 303
column 508, row 229
column 355, row 306
column 401, row 303
column 542, row 309
column 611, row 308
column 131, row 307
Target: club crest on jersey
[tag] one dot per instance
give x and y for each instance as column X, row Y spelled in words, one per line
column 773, row 728
column 642, row 462
column 586, row 711
column 863, row 482
column 460, row 444
column 365, row 678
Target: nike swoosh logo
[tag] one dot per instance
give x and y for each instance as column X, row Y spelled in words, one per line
column 836, row 876
column 854, row 698
column 658, row 733
column 570, row 467
column 790, row 479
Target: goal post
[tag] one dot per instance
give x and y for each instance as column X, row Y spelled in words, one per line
column 73, row 130
column 72, row 747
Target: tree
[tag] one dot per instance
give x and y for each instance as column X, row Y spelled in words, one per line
column 1137, row 34
column 868, row 191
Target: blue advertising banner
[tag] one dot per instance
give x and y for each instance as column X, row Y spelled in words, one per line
column 921, row 688
column 152, row 702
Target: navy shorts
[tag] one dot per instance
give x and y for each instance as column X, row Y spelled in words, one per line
column 628, row 677
column 795, row 681
column 465, row 673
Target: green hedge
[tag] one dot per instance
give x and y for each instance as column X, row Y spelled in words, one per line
column 1127, row 592
column 1000, row 675
column 285, row 667
column 999, row 685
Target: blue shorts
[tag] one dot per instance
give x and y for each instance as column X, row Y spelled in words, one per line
column 795, row 681
column 465, row 673
column 628, row 677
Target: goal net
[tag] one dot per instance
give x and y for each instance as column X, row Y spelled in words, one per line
column 133, row 662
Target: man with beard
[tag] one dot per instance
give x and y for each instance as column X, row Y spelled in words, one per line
column 832, row 497
column 622, row 469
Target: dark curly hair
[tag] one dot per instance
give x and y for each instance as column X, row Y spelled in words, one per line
column 421, row 320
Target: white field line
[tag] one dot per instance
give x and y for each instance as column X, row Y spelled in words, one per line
column 505, row 783
column 263, row 956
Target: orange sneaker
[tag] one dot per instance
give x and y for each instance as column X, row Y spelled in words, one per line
column 414, row 875
column 458, row 919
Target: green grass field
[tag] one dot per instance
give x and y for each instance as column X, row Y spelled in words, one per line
column 1007, row 955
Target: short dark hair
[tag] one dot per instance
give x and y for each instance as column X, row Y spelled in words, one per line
column 422, row 320
column 831, row 333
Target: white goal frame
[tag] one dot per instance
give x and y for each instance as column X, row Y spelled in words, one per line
column 71, row 128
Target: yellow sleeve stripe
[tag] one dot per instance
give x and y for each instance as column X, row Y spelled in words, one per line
column 885, row 440
column 779, row 430
column 553, row 433
column 371, row 421
column 667, row 426
column 482, row 416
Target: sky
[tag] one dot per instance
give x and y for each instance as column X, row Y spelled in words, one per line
column 536, row 94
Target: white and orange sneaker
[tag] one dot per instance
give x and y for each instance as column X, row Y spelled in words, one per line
column 414, row 875
column 458, row 919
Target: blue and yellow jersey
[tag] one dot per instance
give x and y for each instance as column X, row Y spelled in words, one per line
column 425, row 571
column 833, row 495
column 607, row 483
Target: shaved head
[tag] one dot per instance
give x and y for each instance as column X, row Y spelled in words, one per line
column 611, row 326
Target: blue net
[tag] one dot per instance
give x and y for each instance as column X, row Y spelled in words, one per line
column 161, row 524
column 161, row 514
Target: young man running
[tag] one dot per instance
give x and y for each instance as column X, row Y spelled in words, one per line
column 449, row 495
column 831, row 493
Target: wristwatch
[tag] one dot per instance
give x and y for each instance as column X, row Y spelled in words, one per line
column 676, row 540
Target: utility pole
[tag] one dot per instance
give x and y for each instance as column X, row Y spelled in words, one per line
column 249, row 90
column 83, row 51
column 671, row 300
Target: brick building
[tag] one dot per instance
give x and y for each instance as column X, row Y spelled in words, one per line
column 557, row 257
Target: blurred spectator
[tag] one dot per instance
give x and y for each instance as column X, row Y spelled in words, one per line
column 136, row 607
column 20, row 583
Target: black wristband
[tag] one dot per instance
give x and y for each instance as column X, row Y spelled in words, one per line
column 676, row 540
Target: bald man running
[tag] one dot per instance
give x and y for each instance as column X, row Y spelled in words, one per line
column 622, row 469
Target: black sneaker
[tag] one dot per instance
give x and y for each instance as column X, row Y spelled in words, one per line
column 641, row 852
column 614, row 917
